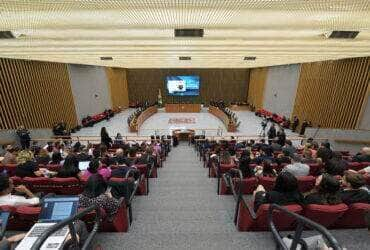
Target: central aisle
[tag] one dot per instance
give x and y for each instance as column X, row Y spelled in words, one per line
column 183, row 211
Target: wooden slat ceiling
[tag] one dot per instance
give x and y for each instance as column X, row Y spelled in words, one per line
column 139, row 33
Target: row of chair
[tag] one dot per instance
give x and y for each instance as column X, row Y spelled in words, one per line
column 330, row 216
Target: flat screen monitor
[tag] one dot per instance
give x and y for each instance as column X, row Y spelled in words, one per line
column 183, row 85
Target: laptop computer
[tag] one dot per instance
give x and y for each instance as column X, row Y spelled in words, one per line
column 54, row 210
column 83, row 165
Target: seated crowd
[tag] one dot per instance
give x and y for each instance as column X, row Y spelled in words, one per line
column 103, row 165
column 335, row 183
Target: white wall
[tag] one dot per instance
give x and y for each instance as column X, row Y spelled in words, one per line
column 365, row 120
column 280, row 89
column 356, row 135
column 90, row 89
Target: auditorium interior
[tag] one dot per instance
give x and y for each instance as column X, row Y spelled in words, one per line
column 183, row 124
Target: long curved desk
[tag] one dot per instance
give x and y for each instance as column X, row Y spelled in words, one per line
column 134, row 127
column 230, row 126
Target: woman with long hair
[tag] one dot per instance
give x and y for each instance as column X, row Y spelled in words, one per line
column 69, row 168
column 105, row 138
column 284, row 192
column 95, row 193
column 326, row 191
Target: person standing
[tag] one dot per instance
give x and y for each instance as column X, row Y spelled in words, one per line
column 271, row 134
column 24, row 136
column 105, row 138
column 295, row 123
column 303, row 127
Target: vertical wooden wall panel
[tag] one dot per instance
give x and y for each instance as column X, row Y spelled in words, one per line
column 35, row 94
column 331, row 93
column 117, row 78
column 256, row 88
column 229, row 85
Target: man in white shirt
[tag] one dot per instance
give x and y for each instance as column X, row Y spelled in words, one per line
column 297, row 168
column 8, row 199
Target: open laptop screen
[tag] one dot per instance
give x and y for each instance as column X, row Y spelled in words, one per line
column 58, row 208
column 83, row 165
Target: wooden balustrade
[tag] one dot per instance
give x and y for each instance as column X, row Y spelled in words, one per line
column 230, row 125
column 135, row 126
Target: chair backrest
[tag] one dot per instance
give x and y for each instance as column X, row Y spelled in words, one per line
column 249, row 185
column 267, row 182
column 37, row 184
column 325, row 215
column 354, row 217
column 281, row 220
column 355, row 166
column 306, row 183
column 315, row 169
column 65, row 186
column 10, row 169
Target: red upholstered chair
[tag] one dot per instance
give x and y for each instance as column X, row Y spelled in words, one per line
column 284, row 222
column 267, row 182
column 355, row 166
column 306, row 183
column 326, row 215
column 365, row 164
column 37, row 184
column 248, row 185
column 10, row 169
column 315, row 169
column 16, row 180
column 65, row 186
column 21, row 218
column 367, row 179
column 354, row 217
column 226, row 167
column 53, row 167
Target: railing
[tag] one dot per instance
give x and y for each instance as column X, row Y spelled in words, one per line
column 69, row 222
column 302, row 222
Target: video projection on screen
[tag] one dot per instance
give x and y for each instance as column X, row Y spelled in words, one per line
column 183, row 85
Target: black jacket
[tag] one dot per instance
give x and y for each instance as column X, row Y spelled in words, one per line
column 354, row 196
column 277, row 197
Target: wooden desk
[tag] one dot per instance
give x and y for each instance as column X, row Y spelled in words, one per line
column 182, row 108
column 183, row 135
column 134, row 127
column 231, row 127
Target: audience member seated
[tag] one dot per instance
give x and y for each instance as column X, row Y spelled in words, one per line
column 10, row 156
column 96, row 193
column 354, row 190
column 265, row 170
column 9, row 199
column 43, row 157
column 69, row 168
column 326, row 191
column 84, row 155
column 336, row 166
column 289, row 147
column 284, row 192
column 26, row 166
column 95, row 167
column 131, row 159
column 324, row 152
column 276, row 147
column 56, row 158
column 284, row 158
column 225, row 158
column 121, row 170
column 244, row 162
column 308, row 159
column 118, row 140
column 363, row 156
column 297, row 168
